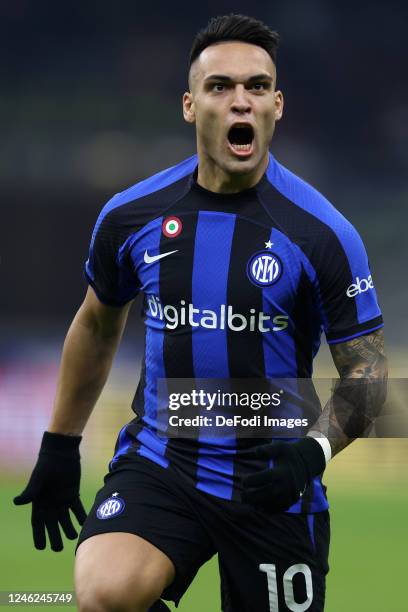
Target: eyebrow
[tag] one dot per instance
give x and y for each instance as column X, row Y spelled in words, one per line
column 228, row 79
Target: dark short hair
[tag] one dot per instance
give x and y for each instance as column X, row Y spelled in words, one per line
column 235, row 27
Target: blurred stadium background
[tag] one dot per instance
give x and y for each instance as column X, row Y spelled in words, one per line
column 90, row 103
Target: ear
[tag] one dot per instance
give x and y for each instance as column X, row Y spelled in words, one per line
column 188, row 107
column 279, row 104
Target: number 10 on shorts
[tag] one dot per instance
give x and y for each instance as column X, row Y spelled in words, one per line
column 270, row 571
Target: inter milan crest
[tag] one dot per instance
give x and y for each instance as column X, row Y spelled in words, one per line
column 113, row 506
column 264, row 268
column 172, row 227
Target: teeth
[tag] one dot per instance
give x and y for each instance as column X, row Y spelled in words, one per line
column 242, row 147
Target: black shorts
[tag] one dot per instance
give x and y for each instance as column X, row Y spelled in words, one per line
column 268, row 562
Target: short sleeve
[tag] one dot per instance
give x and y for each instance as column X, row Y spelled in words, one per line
column 349, row 305
column 109, row 268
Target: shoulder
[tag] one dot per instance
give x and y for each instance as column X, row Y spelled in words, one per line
column 123, row 202
column 310, row 204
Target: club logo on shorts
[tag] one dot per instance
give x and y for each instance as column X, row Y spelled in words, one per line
column 264, row 269
column 113, row 506
column 172, row 227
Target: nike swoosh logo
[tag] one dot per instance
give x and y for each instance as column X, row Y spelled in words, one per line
column 152, row 258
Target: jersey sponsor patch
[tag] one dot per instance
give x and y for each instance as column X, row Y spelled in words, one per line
column 223, row 318
column 113, row 506
column 264, row 269
column 360, row 286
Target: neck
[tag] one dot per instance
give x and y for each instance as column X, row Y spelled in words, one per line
column 214, row 178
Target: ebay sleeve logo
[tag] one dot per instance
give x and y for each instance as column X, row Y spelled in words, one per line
column 360, row 286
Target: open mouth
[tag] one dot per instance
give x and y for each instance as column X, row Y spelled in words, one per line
column 240, row 138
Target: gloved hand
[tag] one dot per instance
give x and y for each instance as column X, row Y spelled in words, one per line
column 53, row 489
column 279, row 487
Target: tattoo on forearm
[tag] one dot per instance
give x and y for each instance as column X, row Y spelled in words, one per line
column 359, row 394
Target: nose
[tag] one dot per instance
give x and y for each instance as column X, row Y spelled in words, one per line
column 240, row 104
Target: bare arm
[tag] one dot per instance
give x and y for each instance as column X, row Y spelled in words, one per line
column 360, row 393
column 87, row 356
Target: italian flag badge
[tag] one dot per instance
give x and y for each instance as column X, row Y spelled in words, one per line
column 172, row 227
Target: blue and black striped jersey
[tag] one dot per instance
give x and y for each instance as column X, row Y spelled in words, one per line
column 235, row 286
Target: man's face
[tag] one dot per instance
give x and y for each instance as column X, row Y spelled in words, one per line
column 234, row 104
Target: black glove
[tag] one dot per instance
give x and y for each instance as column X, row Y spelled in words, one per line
column 53, row 489
column 295, row 465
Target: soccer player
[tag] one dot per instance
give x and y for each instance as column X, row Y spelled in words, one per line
column 242, row 265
